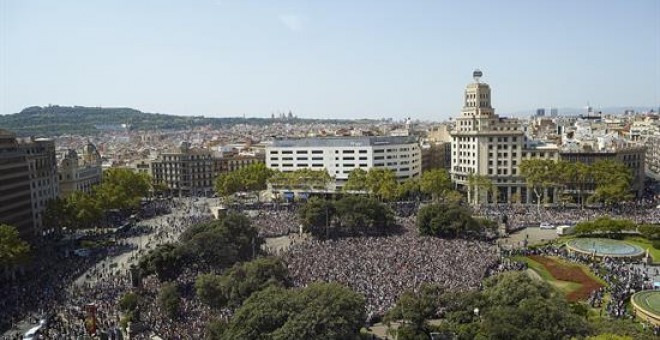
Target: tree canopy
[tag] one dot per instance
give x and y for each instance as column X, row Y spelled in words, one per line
column 354, row 214
column 216, row 245
column 449, row 221
column 511, row 306
column 241, row 281
column 436, row 182
column 13, row 249
column 319, row 311
column 253, row 177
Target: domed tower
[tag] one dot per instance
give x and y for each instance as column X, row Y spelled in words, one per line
column 476, row 102
column 91, row 155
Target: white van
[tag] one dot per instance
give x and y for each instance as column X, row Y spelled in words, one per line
column 546, row 225
column 564, row 229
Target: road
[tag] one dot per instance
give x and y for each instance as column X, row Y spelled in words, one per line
column 143, row 243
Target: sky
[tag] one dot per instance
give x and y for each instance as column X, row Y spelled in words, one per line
column 327, row 59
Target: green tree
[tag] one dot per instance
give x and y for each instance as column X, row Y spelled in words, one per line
column 241, row 281
column 169, row 299
column 523, row 308
column 444, row 220
column 381, row 183
column 408, row 189
column 85, row 208
column 319, row 311
column 363, row 214
column 58, row 214
column 357, row 180
column 166, row 261
column 612, row 180
column 122, row 189
column 540, row 175
column 129, row 302
column 436, row 183
column 317, row 214
column 413, row 310
column 477, row 186
column 228, row 184
column 13, row 249
column 324, row 311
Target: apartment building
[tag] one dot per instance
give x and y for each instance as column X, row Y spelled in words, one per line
column 15, row 186
column 44, row 180
column 80, row 173
column 341, row 155
column 185, row 171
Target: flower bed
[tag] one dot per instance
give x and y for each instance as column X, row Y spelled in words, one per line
column 571, row 273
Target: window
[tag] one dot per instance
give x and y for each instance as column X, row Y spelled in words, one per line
column 301, row 152
column 287, row 152
column 316, row 152
column 348, row 151
column 363, row 151
column 349, row 158
column 274, row 159
column 301, row 158
column 273, row 152
column 317, row 165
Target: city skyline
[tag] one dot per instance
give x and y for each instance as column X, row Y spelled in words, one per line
column 322, row 60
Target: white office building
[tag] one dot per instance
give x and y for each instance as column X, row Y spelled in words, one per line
column 341, row 155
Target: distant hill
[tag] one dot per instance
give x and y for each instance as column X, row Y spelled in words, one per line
column 56, row 120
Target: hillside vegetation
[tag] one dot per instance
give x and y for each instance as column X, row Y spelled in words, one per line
column 62, row 120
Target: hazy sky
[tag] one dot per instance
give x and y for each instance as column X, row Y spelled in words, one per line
column 331, row 58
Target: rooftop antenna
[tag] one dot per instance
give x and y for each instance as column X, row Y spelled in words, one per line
column 477, row 75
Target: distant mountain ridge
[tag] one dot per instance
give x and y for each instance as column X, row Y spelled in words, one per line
column 57, row 120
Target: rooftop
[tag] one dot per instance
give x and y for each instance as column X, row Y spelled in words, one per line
column 359, row 141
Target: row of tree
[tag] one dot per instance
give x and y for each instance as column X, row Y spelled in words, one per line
column 605, row 181
column 121, row 189
column 377, row 182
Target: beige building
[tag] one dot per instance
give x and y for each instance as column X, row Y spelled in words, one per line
column 44, row 180
column 653, row 157
column 15, row 184
column 631, row 156
column 185, row 171
column 80, row 173
column 487, row 145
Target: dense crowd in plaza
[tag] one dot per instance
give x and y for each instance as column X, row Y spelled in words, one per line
column 518, row 216
column 623, row 278
column 381, row 268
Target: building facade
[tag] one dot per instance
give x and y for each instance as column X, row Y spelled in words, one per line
column 44, row 180
column 484, row 144
column 631, row 156
column 15, row 184
column 232, row 161
column 185, row 171
column 341, row 155
column 80, row 173
column 653, row 157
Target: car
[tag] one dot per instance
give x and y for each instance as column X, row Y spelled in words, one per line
column 546, row 225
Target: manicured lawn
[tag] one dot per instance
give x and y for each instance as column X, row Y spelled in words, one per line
column 575, row 281
column 645, row 244
column 565, row 287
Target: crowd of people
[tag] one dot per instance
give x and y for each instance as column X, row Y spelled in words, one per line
column 381, row 268
column 521, row 216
